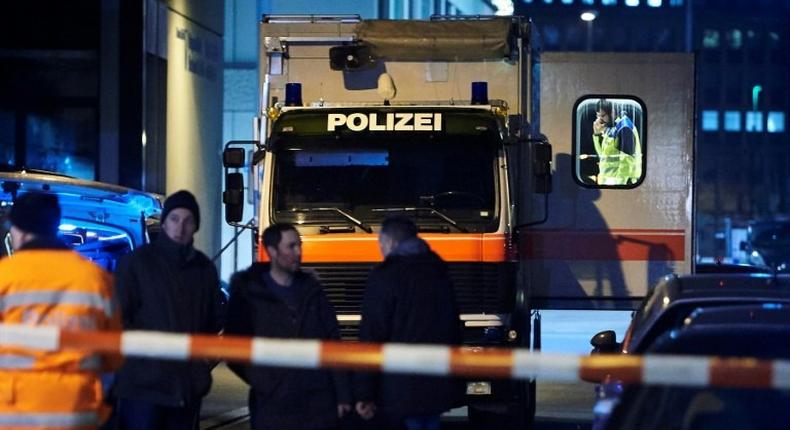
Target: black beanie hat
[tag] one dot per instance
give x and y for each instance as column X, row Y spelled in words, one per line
column 36, row 213
column 182, row 199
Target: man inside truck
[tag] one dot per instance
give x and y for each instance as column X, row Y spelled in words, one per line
column 617, row 145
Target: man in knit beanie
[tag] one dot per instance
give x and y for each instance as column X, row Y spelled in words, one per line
column 170, row 286
column 38, row 286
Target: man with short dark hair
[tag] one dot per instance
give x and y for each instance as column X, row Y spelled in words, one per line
column 44, row 283
column 408, row 299
column 617, row 145
column 279, row 300
column 170, row 286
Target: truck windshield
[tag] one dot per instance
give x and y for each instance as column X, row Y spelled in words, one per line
column 372, row 176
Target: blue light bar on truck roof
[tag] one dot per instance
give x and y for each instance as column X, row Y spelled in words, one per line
column 293, row 94
column 480, row 93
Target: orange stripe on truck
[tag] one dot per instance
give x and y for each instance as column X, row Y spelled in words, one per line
column 622, row 245
column 364, row 248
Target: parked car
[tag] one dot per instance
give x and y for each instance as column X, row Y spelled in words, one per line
column 101, row 221
column 768, row 244
column 744, row 315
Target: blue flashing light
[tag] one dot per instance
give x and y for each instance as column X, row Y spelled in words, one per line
column 480, row 93
column 772, row 306
column 67, row 227
column 293, row 94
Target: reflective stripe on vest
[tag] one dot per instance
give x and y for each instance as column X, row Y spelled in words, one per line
column 91, row 362
column 60, row 419
column 16, row 361
column 75, row 298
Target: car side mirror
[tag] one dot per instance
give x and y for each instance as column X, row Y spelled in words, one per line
column 605, row 342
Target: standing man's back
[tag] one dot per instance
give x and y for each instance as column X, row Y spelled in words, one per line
column 408, row 299
column 46, row 283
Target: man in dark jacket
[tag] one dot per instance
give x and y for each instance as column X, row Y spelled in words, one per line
column 408, row 299
column 167, row 286
column 279, row 300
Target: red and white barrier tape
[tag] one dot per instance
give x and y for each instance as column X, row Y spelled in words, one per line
column 414, row 359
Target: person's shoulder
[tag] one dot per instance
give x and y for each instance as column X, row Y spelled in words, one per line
column 255, row 272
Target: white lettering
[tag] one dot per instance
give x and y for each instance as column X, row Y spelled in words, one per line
column 422, row 122
column 334, row 120
column 403, row 122
column 406, row 121
column 374, row 126
column 357, row 122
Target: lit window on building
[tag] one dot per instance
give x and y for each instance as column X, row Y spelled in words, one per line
column 776, row 122
column 567, row 1
column 732, row 120
column 754, row 122
column 588, row 1
column 654, row 3
column 608, row 2
column 710, row 120
column 676, row 2
column 632, row 3
column 548, row 1
column 735, row 39
column 710, row 39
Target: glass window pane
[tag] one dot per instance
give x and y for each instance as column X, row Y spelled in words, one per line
column 609, row 142
column 710, row 39
column 776, row 122
column 710, row 120
column 735, row 39
column 7, row 138
column 732, row 120
column 63, row 141
column 654, row 3
column 754, row 121
column 632, row 2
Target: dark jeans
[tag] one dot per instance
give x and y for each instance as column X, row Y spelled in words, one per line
column 141, row 415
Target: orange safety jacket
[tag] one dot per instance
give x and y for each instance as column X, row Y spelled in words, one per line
column 53, row 389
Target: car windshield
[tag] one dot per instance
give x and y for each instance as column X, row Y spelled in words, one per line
column 651, row 407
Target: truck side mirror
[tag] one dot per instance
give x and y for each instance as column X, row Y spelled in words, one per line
column 604, row 342
column 541, row 166
column 233, row 197
column 233, row 158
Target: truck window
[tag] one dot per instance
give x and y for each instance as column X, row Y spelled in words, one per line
column 609, row 141
column 368, row 175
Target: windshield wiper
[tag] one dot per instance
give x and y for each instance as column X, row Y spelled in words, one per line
column 432, row 211
column 345, row 214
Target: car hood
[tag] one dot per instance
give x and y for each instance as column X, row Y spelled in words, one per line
column 86, row 203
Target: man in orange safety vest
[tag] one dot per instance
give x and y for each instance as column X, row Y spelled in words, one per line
column 46, row 283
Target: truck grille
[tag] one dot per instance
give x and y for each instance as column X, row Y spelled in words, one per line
column 479, row 288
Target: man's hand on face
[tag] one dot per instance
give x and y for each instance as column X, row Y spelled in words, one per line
column 599, row 126
column 366, row 410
